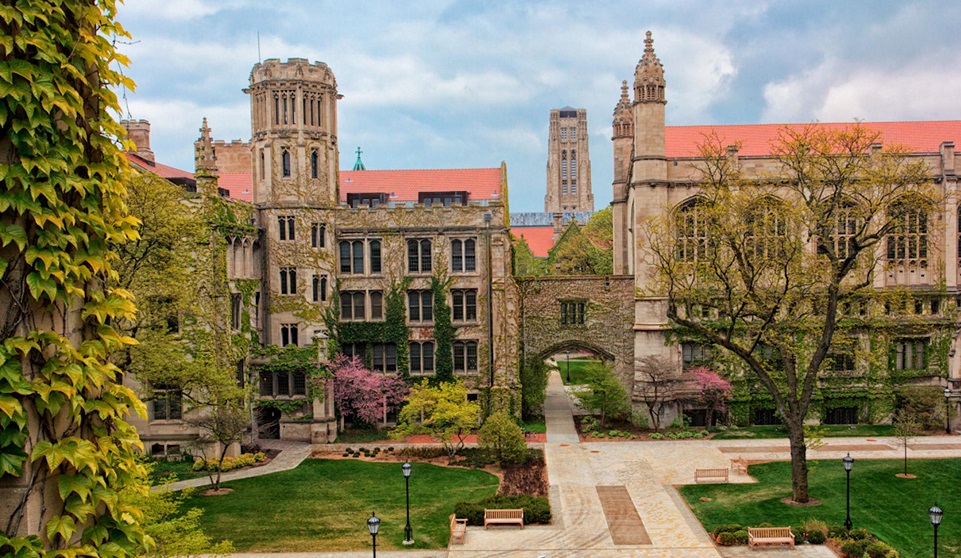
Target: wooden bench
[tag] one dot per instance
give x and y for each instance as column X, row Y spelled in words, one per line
column 458, row 528
column 503, row 517
column 719, row 475
column 757, row 536
column 739, row 465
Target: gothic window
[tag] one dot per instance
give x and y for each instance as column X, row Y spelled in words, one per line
column 357, row 256
column 376, row 305
column 841, row 361
column 844, row 228
column 282, row 384
column 288, row 280
column 909, row 354
column 276, row 108
column 263, row 169
column 766, row 230
column 573, row 186
column 465, row 356
column 352, row 306
column 318, row 235
column 285, row 162
column 690, row 232
column 420, row 306
column 574, row 134
column 374, row 256
column 319, row 288
column 313, row 163
column 418, row 256
column 463, row 256
column 235, row 310
column 353, row 350
column 573, row 164
column 288, row 334
column 564, row 187
column 693, row 354
column 421, row 357
column 286, row 223
column 563, row 134
column 168, row 402
column 564, row 164
column 384, row 357
column 572, row 312
column 464, row 308
column 908, row 241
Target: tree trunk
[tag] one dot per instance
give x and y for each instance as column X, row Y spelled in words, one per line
column 799, row 464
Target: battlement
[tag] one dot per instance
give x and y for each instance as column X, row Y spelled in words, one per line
column 293, row 69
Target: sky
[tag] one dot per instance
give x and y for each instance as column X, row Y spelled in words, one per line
column 471, row 83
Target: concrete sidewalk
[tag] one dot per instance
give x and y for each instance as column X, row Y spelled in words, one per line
column 291, row 455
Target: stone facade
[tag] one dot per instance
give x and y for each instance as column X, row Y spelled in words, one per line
column 657, row 170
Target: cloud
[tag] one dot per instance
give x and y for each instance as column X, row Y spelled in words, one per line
column 176, row 10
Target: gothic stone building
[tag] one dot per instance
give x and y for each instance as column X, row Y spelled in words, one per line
column 656, row 170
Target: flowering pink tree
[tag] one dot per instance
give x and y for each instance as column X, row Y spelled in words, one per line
column 714, row 390
column 363, row 396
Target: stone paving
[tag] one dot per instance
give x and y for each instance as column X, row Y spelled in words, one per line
column 648, row 471
column 291, row 455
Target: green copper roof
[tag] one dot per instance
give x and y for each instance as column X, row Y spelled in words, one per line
column 359, row 165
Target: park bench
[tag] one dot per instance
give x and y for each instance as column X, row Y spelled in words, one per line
column 458, row 528
column 757, row 536
column 739, row 465
column 720, row 475
column 503, row 517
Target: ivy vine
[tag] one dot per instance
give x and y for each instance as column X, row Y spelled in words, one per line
column 444, row 331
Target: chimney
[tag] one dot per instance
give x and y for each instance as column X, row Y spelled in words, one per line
column 138, row 131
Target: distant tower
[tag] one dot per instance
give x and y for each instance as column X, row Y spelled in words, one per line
column 568, row 162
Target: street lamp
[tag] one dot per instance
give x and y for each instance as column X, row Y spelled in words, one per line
column 935, row 513
column 568, row 353
column 947, row 411
column 408, row 531
column 373, row 525
column 848, row 465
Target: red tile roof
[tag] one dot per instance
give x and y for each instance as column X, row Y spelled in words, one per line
column 159, row 169
column 404, row 185
column 239, row 184
column 756, row 139
column 539, row 239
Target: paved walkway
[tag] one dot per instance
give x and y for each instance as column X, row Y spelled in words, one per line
column 647, row 471
column 291, row 455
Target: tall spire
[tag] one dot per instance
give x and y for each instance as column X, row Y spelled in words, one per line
column 649, row 76
column 358, row 164
column 205, row 159
column 623, row 114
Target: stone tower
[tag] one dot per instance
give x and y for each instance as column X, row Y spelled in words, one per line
column 295, row 166
column 623, row 138
column 568, row 162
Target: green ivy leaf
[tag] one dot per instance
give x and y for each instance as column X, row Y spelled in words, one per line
column 62, row 525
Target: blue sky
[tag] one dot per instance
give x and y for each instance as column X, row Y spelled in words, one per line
column 458, row 83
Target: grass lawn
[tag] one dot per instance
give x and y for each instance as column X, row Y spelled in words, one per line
column 578, row 372
column 162, row 469
column 893, row 509
column 323, row 506
column 535, row 426
column 829, row 431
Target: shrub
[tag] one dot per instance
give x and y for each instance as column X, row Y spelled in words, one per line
column 836, row 531
column 537, row 509
column 853, row 548
column 858, row 534
column 878, row 549
column 741, row 536
column 727, row 539
column 726, row 528
column 816, row 537
column 656, row 436
column 502, row 439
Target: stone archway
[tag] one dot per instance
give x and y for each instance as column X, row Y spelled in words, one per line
column 594, row 313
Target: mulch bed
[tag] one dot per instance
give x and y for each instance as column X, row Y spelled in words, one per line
column 640, row 434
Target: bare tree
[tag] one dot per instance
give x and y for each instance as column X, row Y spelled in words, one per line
column 906, row 427
column 657, row 385
column 221, row 426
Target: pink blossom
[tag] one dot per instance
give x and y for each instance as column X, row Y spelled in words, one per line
column 362, row 395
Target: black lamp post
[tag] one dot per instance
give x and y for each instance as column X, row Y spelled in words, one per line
column 848, row 465
column 935, row 513
column 568, row 353
column 373, row 525
column 947, row 411
column 408, row 531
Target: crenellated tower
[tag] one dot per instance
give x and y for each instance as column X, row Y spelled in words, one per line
column 293, row 118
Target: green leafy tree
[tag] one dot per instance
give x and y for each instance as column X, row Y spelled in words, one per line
column 606, row 395
column 762, row 267
column 599, row 229
column 534, row 376
column 502, row 439
column 64, row 440
column 575, row 254
column 525, row 262
column 441, row 411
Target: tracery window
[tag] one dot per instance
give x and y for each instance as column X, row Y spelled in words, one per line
column 285, row 163
column 766, row 230
column 288, row 334
column 907, row 243
column 844, row 230
column 690, row 231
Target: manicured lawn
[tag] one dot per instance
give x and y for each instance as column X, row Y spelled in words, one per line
column 893, row 509
column 535, row 426
column 578, row 373
column 162, row 469
column 829, row 431
column 323, row 506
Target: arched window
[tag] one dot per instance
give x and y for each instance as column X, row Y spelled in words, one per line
column 843, row 229
column 690, row 231
column 908, row 239
column 262, row 166
column 564, row 164
column 313, row 163
column 285, row 162
column 419, row 256
column 766, row 230
column 573, row 164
